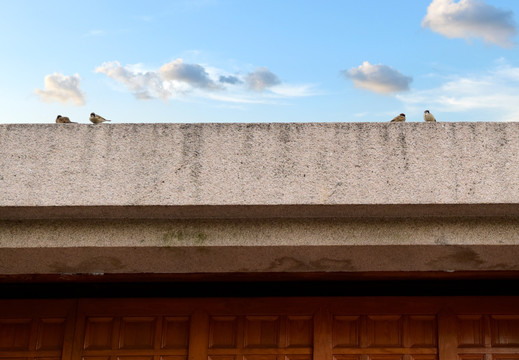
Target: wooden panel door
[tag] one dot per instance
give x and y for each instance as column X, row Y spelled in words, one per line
column 261, row 335
column 36, row 329
column 385, row 337
column 134, row 330
column 481, row 329
column 214, row 329
column 384, row 329
column 360, row 328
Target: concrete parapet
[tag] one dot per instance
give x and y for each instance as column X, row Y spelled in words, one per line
column 206, row 170
column 256, row 198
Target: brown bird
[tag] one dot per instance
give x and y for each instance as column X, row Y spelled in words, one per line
column 399, row 118
column 428, row 117
column 96, row 119
column 64, row 120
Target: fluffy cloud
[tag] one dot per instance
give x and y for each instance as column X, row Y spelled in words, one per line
column 192, row 74
column 62, row 88
column 492, row 96
column 177, row 79
column 378, row 78
column 233, row 80
column 471, row 19
column 261, row 79
column 142, row 84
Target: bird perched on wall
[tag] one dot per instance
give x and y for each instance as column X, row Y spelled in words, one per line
column 64, row 120
column 399, row 118
column 428, row 117
column 96, row 119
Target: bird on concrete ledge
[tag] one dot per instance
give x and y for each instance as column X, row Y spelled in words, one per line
column 96, row 119
column 399, row 118
column 428, row 117
column 64, row 120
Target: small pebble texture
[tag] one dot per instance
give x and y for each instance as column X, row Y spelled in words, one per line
column 259, row 164
column 255, row 177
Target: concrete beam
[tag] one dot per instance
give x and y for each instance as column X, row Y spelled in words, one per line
column 258, row 246
column 259, row 198
column 259, row 170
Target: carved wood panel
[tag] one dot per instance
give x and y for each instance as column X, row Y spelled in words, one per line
column 125, row 337
column 381, row 337
column 261, row 329
column 258, row 337
column 36, row 330
column 487, row 336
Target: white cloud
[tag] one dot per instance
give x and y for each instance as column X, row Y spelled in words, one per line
column 261, row 79
column 294, row 90
column 178, row 79
column 191, row 74
column 230, row 79
column 241, row 98
column 471, row 19
column 62, row 88
column 142, row 84
column 378, row 78
column 492, row 96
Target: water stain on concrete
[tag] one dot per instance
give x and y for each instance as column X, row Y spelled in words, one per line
column 174, row 237
column 460, row 257
column 96, row 264
column 288, row 263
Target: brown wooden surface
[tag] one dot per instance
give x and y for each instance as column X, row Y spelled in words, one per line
column 36, row 329
column 361, row 328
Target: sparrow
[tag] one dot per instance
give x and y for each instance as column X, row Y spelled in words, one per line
column 64, row 120
column 428, row 117
column 96, row 119
column 399, row 118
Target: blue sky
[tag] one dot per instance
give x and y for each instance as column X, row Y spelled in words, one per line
column 259, row 61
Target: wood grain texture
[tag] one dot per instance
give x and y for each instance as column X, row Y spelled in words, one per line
column 339, row 328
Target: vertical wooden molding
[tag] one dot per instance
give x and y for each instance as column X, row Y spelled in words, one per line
column 363, row 335
column 487, row 336
column 198, row 336
column 34, row 333
column 159, row 327
column 116, row 332
column 79, row 330
column 282, row 337
column 70, row 327
column 406, row 336
column 157, row 341
column 323, row 342
column 447, row 335
column 240, row 332
column 487, row 331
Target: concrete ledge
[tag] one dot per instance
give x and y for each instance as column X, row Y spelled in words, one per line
column 249, row 246
column 266, row 170
column 259, row 198
column 259, row 211
column 268, row 259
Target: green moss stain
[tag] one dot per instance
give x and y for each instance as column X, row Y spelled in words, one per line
column 175, row 237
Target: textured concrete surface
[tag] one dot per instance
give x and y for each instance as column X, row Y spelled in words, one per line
column 257, row 233
column 190, row 260
column 219, row 198
column 125, row 166
column 266, row 245
column 297, row 245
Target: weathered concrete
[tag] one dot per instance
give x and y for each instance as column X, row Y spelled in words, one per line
column 220, row 198
column 136, row 166
column 298, row 245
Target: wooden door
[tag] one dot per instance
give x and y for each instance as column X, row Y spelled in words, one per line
column 362, row 328
column 40, row 329
column 480, row 329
